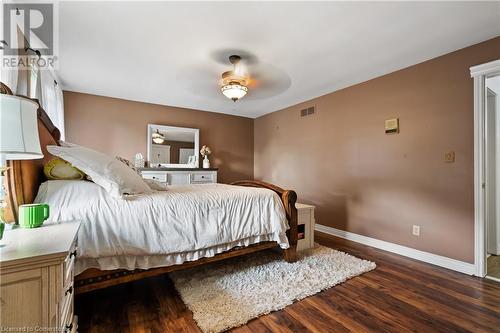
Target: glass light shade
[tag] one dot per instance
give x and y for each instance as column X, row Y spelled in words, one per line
column 158, row 140
column 19, row 138
column 158, row 137
column 234, row 91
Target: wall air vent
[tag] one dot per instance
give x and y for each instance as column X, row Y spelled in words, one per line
column 307, row 112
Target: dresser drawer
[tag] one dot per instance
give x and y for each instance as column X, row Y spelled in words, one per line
column 158, row 176
column 68, row 267
column 202, row 177
column 66, row 306
column 22, row 293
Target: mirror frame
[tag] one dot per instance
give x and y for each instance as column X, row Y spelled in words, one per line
column 195, row 131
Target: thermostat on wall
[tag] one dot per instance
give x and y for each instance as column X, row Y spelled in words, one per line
column 392, row 126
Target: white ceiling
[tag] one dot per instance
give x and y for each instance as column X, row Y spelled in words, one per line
column 169, row 52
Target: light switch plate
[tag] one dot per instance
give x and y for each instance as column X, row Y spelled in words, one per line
column 449, row 157
column 416, row 230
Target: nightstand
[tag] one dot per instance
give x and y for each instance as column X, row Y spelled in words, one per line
column 36, row 278
column 305, row 222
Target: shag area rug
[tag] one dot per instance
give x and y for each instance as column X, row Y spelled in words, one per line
column 230, row 293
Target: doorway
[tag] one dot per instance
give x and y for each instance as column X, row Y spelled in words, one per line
column 492, row 195
column 486, row 169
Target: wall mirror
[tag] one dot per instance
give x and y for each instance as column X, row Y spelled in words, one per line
column 173, row 147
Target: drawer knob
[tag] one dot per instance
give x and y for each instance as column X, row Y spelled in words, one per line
column 69, row 291
column 69, row 327
column 73, row 254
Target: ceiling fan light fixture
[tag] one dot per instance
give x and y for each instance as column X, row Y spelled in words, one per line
column 158, row 138
column 234, row 90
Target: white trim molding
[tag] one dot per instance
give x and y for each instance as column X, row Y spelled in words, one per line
column 479, row 73
column 489, row 68
column 453, row 264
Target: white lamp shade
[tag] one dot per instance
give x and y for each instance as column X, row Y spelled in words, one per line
column 19, row 138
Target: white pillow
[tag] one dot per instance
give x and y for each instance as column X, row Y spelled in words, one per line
column 156, row 185
column 114, row 176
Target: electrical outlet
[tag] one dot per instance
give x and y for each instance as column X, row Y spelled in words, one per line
column 416, row 230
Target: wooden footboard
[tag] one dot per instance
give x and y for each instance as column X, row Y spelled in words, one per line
column 93, row 279
column 289, row 198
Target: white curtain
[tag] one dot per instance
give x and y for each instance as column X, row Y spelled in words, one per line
column 9, row 77
column 52, row 98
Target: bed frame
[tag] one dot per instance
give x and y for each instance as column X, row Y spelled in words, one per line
column 23, row 179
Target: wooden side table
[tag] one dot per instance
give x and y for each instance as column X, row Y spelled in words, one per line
column 36, row 278
column 305, row 216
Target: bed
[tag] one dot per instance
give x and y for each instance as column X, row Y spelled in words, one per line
column 231, row 220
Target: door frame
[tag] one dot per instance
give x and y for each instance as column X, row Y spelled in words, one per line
column 479, row 73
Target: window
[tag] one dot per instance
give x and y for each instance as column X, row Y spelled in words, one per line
column 51, row 98
column 33, row 82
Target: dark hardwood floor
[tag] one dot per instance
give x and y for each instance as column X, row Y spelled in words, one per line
column 400, row 295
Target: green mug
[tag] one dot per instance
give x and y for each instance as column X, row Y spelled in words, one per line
column 32, row 216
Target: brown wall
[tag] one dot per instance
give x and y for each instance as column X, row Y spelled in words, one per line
column 119, row 127
column 364, row 181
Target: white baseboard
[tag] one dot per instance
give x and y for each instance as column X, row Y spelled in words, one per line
column 453, row 264
column 492, row 278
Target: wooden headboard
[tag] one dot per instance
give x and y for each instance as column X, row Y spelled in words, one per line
column 24, row 177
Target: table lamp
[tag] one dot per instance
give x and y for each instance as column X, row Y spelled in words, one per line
column 19, row 138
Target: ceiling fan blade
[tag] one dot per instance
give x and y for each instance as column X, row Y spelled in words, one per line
column 200, row 81
column 205, row 79
column 267, row 81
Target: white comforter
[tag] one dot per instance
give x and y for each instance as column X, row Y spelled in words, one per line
column 169, row 227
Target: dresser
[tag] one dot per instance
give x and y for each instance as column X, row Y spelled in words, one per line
column 305, row 225
column 36, row 278
column 180, row 176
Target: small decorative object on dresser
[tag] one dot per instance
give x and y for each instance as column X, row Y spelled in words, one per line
column 36, row 280
column 139, row 161
column 305, row 225
column 205, row 151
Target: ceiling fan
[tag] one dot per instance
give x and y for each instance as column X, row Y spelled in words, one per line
column 234, row 83
column 249, row 77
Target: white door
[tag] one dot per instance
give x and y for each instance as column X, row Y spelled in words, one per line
column 160, row 154
column 184, row 154
column 493, row 165
column 492, row 174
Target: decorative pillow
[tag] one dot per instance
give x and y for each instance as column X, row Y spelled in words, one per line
column 153, row 184
column 58, row 169
column 128, row 163
column 112, row 175
column 156, row 185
